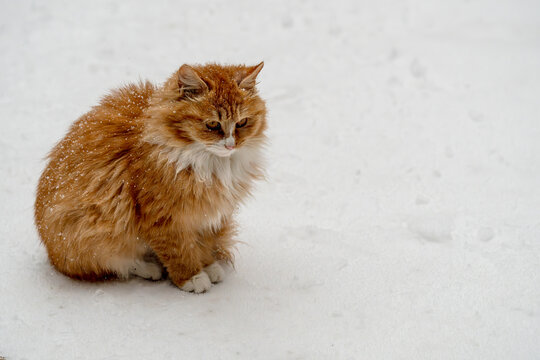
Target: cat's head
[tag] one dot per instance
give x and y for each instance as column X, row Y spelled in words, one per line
column 214, row 106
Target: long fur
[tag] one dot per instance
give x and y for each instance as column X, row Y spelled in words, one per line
column 142, row 176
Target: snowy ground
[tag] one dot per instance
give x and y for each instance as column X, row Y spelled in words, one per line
column 400, row 219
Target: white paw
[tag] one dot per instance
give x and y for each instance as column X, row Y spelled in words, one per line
column 146, row 270
column 215, row 272
column 198, row 283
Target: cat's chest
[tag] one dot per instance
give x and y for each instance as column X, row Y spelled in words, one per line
column 211, row 187
column 204, row 204
column 203, row 188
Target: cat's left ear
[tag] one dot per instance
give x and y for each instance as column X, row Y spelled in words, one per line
column 248, row 78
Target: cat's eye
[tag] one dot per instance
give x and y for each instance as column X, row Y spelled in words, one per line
column 213, row 125
column 241, row 123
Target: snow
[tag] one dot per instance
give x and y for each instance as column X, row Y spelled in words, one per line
column 400, row 216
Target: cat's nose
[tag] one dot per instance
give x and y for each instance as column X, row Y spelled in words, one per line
column 229, row 143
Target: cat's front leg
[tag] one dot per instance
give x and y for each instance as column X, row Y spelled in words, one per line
column 217, row 248
column 188, row 278
column 181, row 256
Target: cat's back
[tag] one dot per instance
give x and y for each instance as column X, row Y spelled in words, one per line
column 117, row 113
column 110, row 127
column 129, row 101
column 100, row 143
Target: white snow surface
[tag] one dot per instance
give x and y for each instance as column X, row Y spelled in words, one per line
column 401, row 216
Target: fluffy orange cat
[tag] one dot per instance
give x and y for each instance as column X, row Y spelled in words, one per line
column 150, row 178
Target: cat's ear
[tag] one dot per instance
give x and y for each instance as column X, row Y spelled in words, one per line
column 189, row 81
column 248, row 78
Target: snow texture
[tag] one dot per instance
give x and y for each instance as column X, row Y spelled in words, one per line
column 400, row 219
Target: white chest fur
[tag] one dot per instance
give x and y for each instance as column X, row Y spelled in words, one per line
column 240, row 167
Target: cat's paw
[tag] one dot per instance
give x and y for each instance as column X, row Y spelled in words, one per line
column 146, row 270
column 198, row 283
column 215, row 272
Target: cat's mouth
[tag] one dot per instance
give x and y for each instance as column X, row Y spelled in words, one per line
column 221, row 150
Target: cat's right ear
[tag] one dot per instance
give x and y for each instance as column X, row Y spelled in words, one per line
column 248, row 78
column 189, row 81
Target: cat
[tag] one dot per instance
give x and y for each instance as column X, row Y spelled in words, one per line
column 147, row 182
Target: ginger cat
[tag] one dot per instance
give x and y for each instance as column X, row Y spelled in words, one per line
column 150, row 178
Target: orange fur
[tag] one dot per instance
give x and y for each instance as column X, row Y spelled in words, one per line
column 142, row 173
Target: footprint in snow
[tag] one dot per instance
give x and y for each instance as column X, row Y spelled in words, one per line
column 436, row 229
